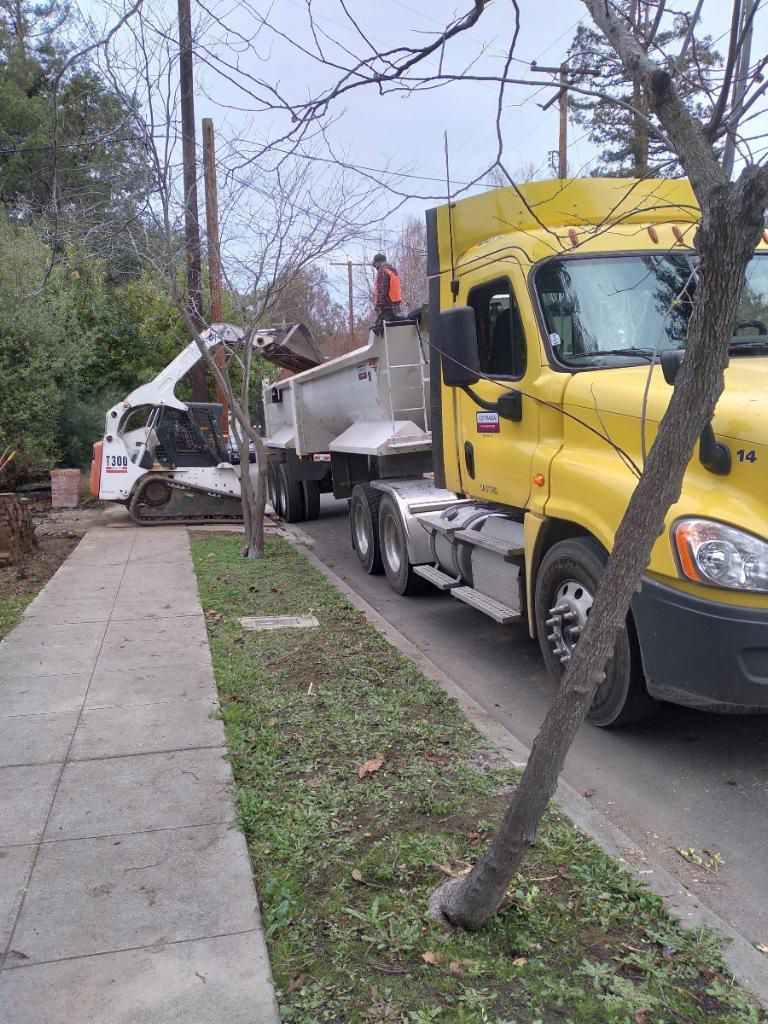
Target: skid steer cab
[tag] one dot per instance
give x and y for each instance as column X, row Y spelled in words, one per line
column 167, row 460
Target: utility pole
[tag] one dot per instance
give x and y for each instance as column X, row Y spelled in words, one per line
column 214, row 253
column 189, row 158
column 561, row 98
column 740, row 79
column 562, row 164
column 349, row 264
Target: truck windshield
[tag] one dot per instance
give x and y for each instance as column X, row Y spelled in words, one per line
column 609, row 310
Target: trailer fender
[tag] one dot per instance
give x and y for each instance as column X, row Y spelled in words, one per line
column 413, row 497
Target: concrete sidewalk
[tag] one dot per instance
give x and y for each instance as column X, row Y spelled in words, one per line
column 125, row 895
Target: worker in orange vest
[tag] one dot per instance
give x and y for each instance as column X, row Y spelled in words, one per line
column 387, row 293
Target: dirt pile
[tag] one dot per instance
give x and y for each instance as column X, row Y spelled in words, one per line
column 17, row 531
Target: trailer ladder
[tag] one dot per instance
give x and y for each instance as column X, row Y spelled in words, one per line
column 415, row 413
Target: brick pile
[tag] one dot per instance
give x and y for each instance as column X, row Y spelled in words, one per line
column 17, row 532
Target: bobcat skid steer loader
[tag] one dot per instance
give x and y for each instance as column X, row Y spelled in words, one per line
column 167, row 460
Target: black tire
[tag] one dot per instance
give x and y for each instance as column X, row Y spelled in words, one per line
column 394, row 551
column 291, row 496
column 273, row 491
column 569, row 574
column 311, row 491
column 364, row 527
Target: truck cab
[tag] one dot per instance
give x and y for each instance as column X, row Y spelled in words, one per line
column 571, row 294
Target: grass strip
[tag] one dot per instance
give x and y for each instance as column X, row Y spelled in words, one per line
column 11, row 610
column 360, row 785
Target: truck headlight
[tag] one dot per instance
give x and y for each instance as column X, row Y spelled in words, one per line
column 720, row 556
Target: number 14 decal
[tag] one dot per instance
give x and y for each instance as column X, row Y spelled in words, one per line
column 745, row 456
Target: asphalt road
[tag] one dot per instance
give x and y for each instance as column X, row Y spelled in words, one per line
column 681, row 779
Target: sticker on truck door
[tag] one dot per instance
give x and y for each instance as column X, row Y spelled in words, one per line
column 487, row 422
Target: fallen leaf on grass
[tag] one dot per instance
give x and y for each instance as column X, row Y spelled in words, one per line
column 370, row 766
column 272, row 723
column 454, row 967
column 761, row 948
column 311, row 688
column 357, row 874
column 296, row 983
column 641, row 1017
column 520, row 961
column 431, row 957
column 314, row 783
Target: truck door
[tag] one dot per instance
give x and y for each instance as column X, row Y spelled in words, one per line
column 495, row 454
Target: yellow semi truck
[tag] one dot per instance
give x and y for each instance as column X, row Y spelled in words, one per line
column 492, row 452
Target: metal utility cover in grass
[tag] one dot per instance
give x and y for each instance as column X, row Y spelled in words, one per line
column 262, row 622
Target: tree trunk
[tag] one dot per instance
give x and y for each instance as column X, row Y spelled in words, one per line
column 640, row 135
column 252, row 503
column 732, row 218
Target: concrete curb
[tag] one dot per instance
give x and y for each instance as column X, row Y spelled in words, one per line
column 749, row 967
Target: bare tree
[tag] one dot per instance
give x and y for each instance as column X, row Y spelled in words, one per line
column 280, row 216
column 409, row 255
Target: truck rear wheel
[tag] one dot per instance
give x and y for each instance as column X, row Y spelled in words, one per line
column 311, row 491
column 394, row 551
column 273, row 491
column 567, row 581
column 364, row 527
column 290, row 496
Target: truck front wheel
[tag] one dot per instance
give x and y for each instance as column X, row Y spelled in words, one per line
column 567, row 581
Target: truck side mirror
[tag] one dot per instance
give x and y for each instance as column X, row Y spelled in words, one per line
column 671, row 360
column 713, row 455
column 457, row 339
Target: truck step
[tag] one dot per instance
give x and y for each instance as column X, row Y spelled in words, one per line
column 500, row 547
column 438, row 579
column 433, row 522
column 494, row 609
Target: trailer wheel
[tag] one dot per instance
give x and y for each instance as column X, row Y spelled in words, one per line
column 568, row 577
column 394, row 551
column 291, row 496
column 364, row 527
column 272, row 489
column 311, row 489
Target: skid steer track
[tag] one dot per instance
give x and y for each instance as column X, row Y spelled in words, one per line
column 161, row 501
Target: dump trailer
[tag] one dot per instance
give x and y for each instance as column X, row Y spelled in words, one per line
column 491, row 453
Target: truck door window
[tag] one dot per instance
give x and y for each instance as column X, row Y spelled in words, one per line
column 606, row 309
column 500, row 338
column 753, row 304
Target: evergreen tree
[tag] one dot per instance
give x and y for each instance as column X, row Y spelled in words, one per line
column 626, row 145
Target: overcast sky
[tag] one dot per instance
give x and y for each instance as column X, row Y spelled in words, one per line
column 401, row 131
